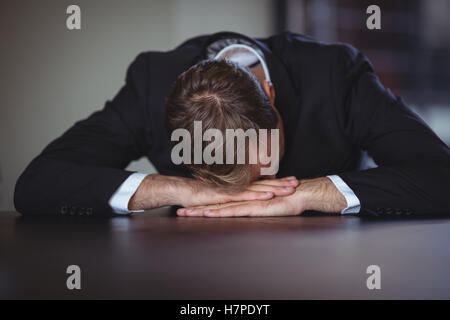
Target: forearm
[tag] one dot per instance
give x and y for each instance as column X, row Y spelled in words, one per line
column 155, row 191
column 319, row 194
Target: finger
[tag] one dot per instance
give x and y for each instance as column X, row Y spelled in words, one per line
column 277, row 190
column 218, row 205
column 182, row 211
column 248, row 195
column 194, row 213
column 199, row 211
column 241, row 210
column 186, row 212
column 278, row 182
column 274, row 207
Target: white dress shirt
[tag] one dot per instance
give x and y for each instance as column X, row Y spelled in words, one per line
column 246, row 57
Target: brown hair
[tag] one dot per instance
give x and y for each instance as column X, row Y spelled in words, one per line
column 223, row 95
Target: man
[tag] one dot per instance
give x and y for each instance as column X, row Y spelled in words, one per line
column 324, row 99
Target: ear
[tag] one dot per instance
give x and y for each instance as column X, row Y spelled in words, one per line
column 269, row 90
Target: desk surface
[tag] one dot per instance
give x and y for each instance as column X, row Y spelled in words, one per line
column 155, row 255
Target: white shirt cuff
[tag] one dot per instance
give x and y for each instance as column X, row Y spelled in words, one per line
column 121, row 197
column 353, row 204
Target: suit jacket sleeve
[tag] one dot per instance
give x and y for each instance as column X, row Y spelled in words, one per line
column 77, row 173
column 413, row 174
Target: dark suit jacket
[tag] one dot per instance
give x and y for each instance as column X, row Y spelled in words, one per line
column 332, row 105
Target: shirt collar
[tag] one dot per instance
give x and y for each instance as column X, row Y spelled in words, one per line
column 219, row 47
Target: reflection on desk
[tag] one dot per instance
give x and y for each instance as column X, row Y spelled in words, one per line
column 157, row 255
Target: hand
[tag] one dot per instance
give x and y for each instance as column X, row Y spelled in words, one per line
column 314, row 194
column 278, row 206
column 158, row 190
column 195, row 193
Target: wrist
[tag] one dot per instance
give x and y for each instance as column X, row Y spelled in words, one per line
column 320, row 194
column 298, row 202
column 154, row 191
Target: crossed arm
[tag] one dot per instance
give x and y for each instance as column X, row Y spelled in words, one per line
column 270, row 197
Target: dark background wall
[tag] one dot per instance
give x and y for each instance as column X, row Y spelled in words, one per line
column 411, row 52
column 52, row 77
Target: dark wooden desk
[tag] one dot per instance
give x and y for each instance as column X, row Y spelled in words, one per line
column 155, row 255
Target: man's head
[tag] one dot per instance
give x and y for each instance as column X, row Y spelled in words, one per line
column 222, row 95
